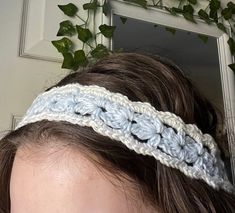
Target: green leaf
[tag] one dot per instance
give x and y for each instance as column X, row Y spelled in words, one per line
column 105, row 8
column 68, row 62
column 221, row 27
column 142, row 3
column 231, row 44
column 188, row 8
column 83, row 34
column 106, row 30
column 123, row 19
column 226, row 13
column 188, row 13
column 203, row 15
column 69, row 9
column 100, row 51
column 189, row 17
column 231, row 6
column 80, row 58
column 203, row 38
column 214, row 6
column 66, row 29
column 63, row 45
column 232, row 67
column 171, row 30
column 192, row 1
column 91, row 6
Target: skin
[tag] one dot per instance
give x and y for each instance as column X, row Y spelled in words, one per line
column 56, row 179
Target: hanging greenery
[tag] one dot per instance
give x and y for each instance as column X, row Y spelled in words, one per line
column 73, row 59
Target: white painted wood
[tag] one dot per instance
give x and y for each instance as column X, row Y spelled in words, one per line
column 29, row 28
column 161, row 17
column 21, row 79
column 40, row 24
column 15, row 121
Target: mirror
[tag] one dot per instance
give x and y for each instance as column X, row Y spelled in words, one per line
column 196, row 54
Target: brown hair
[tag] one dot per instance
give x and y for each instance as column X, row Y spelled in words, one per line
column 142, row 78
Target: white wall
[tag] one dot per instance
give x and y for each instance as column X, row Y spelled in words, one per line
column 20, row 78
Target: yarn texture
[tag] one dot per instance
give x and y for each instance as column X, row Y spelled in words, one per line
column 138, row 125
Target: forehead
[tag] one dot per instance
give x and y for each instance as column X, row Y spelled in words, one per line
column 57, row 179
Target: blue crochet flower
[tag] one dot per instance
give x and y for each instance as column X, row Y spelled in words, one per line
column 117, row 117
column 146, row 128
column 62, row 103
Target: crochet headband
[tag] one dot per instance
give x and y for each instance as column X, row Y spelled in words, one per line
column 138, row 125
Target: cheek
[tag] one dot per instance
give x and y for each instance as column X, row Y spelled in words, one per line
column 63, row 187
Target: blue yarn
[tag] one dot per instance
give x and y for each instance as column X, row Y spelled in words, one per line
column 142, row 127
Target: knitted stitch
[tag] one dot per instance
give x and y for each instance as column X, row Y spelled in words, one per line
column 138, row 125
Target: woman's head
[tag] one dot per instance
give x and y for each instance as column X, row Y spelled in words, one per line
column 105, row 169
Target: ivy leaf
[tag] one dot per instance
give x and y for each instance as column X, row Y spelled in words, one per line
column 189, row 17
column 171, row 30
column 68, row 62
column 188, row 13
column 232, row 67
column 106, row 30
column 63, row 45
column 123, row 19
column 188, row 8
column 203, row 38
column 83, row 34
column 231, row 44
column 100, row 51
column 231, row 6
column 192, row 1
column 105, row 8
column 142, row 3
column 69, row 9
column 221, row 27
column 226, row 13
column 66, row 28
column 91, row 6
column 80, row 58
column 214, row 6
column 203, row 15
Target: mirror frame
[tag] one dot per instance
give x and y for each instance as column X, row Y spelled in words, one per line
column 161, row 17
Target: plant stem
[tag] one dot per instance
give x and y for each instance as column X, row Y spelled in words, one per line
column 94, row 21
column 160, row 1
column 207, row 7
column 231, row 27
column 90, row 46
column 88, row 16
column 179, row 6
column 80, row 18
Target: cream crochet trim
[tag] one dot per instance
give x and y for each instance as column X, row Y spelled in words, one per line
column 158, row 134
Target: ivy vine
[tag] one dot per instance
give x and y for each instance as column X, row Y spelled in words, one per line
column 214, row 13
